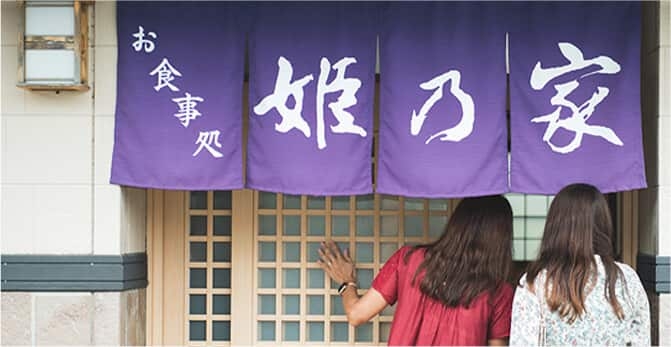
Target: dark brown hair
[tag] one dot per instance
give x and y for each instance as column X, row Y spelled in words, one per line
column 473, row 255
column 578, row 227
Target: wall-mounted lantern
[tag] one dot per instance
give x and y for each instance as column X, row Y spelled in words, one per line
column 53, row 46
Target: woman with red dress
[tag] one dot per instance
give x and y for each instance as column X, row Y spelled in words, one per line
column 449, row 292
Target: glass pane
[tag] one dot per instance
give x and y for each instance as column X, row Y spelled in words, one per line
column 437, row 225
column 222, row 278
column 291, row 251
column 535, row 227
column 518, row 250
column 316, row 202
column 340, row 203
column 291, row 278
column 385, row 328
column 336, row 305
column 221, row 330
column 267, row 200
column 267, row 251
column 365, row 202
column 197, row 278
column 222, row 252
column 316, row 225
column 266, row 304
column 364, row 333
column 533, row 246
column 414, row 204
column 517, row 203
column 339, row 331
column 267, row 225
column 313, row 254
column 340, row 226
column 414, row 225
column 197, row 304
column 389, row 202
column 364, row 252
column 388, row 311
column 266, row 331
column 291, row 331
column 198, row 200
column 292, row 202
column 222, row 200
column 518, row 227
column 315, row 278
column 343, row 246
column 222, row 225
column 536, row 205
column 365, row 277
column 51, row 21
column 198, row 225
column 387, row 249
column 292, row 225
column 50, row 64
column 267, row 278
column 291, row 304
column 364, row 225
column 389, row 225
column 315, row 331
column 198, row 251
column 196, row 330
column 438, row 204
column 315, row 304
column 221, row 304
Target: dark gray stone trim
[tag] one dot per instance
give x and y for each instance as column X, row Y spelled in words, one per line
column 655, row 272
column 71, row 273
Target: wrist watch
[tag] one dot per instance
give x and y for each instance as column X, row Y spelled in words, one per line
column 344, row 286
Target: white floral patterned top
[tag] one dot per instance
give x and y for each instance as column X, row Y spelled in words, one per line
column 597, row 326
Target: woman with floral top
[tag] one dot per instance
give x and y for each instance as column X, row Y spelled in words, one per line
column 576, row 293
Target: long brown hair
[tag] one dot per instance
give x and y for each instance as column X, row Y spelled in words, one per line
column 472, row 255
column 578, row 227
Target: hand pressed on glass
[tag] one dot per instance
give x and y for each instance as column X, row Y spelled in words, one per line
column 338, row 265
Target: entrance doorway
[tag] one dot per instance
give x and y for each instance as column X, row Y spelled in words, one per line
column 239, row 267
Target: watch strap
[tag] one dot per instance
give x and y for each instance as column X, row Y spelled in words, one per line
column 344, row 286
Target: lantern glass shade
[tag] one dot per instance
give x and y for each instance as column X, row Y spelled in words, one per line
column 50, row 65
column 50, row 21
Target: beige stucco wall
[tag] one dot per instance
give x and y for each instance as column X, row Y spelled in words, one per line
column 56, row 156
column 56, row 199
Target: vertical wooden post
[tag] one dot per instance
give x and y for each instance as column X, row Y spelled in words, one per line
column 242, row 248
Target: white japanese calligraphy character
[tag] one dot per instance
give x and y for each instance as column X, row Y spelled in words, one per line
column 142, row 44
column 164, row 74
column 284, row 88
column 577, row 122
column 465, row 126
column 348, row 88
column 187, row 108
column 205, row 140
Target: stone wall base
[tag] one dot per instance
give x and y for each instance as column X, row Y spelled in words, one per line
column 62, row 318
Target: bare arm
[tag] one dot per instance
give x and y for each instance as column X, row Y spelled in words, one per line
column 340, row 267
column 497, row 342
column 360, row 310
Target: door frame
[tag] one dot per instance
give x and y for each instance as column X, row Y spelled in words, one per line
column 167, row 254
